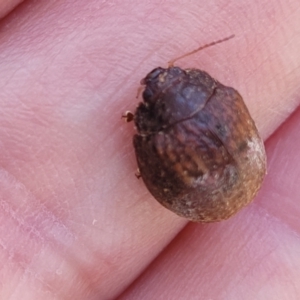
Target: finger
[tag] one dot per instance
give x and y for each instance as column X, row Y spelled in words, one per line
column 255, row 255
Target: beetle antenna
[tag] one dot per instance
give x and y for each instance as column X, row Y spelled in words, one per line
column 171, row 62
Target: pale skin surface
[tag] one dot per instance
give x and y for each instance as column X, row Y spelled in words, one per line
column 75, row 221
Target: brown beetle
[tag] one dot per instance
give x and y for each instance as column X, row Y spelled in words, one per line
column 197, row 147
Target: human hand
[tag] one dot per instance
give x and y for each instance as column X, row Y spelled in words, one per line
column 75, row 222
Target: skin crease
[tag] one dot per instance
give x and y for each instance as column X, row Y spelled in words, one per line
column 7, row 6
column 75, row 222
